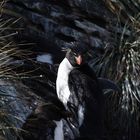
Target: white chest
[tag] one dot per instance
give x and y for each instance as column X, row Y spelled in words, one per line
column 62, row 86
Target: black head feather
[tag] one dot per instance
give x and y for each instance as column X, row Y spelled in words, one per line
column 78, row 49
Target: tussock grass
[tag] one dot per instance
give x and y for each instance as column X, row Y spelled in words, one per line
column 10, row 122
column 122, row 64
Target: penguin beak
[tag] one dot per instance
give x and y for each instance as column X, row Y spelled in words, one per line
column 79, row 59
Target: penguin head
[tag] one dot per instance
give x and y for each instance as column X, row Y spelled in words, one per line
column 77, row 55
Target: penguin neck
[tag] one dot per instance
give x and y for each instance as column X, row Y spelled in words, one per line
column 65, row 68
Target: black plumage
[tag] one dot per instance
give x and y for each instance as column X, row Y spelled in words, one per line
column 86, row 92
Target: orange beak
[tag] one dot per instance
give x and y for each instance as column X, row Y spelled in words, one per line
column 78, row 60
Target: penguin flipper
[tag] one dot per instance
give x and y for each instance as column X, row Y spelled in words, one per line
column 108, row 84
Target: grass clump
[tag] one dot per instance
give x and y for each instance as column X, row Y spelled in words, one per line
column 121, row 63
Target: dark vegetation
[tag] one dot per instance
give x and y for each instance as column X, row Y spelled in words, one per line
column 27, row 88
